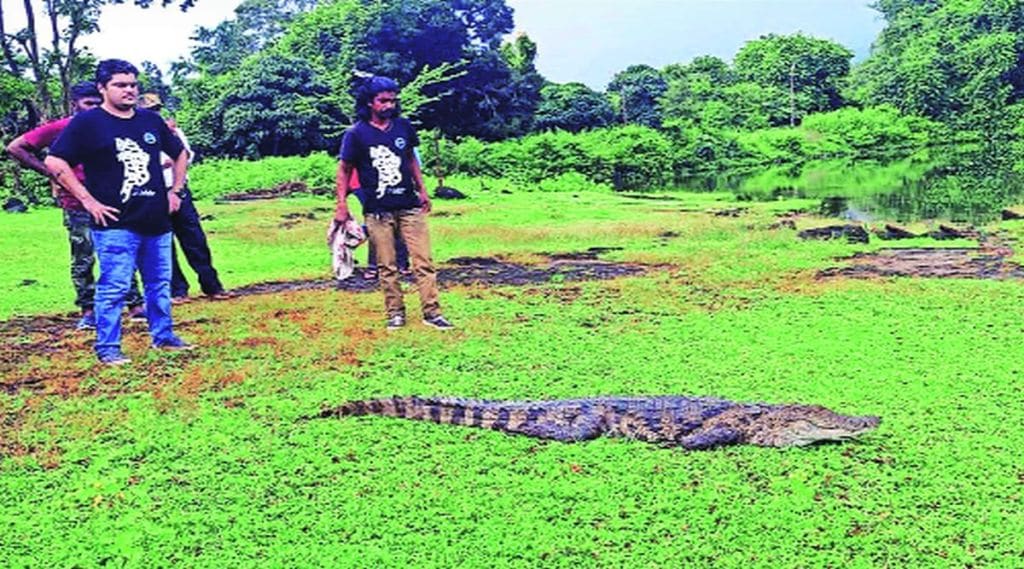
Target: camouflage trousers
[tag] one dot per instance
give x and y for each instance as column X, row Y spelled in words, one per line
column 83, row 258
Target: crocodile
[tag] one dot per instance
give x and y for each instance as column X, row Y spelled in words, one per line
column 692, row 423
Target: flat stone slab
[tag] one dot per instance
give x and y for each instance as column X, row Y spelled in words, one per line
column 962, row 263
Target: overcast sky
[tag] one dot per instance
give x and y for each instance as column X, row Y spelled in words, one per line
column 578, row 40
column 591, row 40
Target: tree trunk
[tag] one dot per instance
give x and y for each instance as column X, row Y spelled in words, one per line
column 438, row 169
column 5, row 44
column 31, row 46
column 792, row 95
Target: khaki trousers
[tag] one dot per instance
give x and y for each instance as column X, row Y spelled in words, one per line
column 411, row 225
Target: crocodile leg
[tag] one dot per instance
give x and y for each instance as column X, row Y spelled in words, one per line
column 714, row 437
column 582, row 428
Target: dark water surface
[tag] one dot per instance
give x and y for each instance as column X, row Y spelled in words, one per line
column 954, row 185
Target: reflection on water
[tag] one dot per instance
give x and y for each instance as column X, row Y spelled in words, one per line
column 960, row 186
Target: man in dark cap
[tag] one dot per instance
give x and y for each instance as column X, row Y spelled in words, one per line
column 186, row 225
column 25, row 149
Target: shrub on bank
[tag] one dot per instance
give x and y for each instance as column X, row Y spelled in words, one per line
column 219, row 177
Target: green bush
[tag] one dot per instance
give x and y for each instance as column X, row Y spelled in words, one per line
column 219, row 177
column 23, row 184
column 626, row 158
column 773, row 145
column 867, row 131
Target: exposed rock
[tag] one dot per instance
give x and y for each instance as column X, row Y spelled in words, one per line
column 852, row 233
column 947, row 232
column 1010, row 214
column 14, row 205
column 784, row 223
column 446, row 193
column 895, row 232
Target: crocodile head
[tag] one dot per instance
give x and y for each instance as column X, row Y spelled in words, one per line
column 802, row 425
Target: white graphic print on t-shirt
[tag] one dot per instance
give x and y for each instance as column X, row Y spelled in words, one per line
column 388, row 165
column 136, row 165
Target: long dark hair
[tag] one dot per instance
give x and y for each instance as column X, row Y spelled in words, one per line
column 369, row 89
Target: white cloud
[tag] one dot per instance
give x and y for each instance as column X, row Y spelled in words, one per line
column 156, row 34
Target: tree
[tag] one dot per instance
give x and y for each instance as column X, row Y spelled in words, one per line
column 958, row 61
column 68, row 21
column 525, row 83
column 638, row 89
column 692, row 86
column 257, row 23
column 572, row 107
column 274, row 106
column 492, row 98
column 151, row 79
column 812, row 71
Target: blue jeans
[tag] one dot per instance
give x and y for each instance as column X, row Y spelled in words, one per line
column 119, row 251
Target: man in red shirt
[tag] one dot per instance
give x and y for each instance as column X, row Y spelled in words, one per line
column 25, row 150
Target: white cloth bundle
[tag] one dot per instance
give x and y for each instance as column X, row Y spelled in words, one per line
column 343, row 238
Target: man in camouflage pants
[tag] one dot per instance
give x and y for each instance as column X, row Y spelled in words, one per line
column 24, row 149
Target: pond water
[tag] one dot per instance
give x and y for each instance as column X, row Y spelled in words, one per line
column 954, row 185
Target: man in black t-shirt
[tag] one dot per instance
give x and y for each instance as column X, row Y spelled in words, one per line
column 119, row 148
column 380, row 148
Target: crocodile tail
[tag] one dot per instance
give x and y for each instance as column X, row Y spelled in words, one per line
column 439, row 410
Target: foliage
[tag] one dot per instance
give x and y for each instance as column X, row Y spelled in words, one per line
column 220, row 177
column 691, row 87
column 257, row 23
column 572, row 107
column 629, row 157
column 876, row 130
column 960, row 62
column 638, row 88
column 273, row 106
column 444, row 53
column 810, row 71
column 68, row 21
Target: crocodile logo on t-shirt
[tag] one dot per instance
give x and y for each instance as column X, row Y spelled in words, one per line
column 136, row 166
column 388, row 165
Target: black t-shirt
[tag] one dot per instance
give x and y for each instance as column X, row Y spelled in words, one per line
column 383, row 160
column 121, row 158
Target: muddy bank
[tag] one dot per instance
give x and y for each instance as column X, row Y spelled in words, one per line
column 280, row 191
column 24, row 337
column 474, row 270
column 963, row 263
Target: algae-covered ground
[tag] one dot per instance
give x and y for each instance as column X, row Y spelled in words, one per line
column 204, row 458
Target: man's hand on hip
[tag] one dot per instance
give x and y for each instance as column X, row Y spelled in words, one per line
column 173, row 202
column 100, row 212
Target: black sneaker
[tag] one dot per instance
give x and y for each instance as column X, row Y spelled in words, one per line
column 87, row 321
column 439, row 322
column 175, row 344
column 137, row 313
column 395, row 322
column 114, row 358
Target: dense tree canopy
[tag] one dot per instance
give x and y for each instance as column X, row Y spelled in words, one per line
column 637, row 89
column 278, row 77
column 959, row 61
column 812, row 71
column 572, row 107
